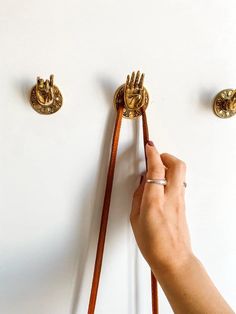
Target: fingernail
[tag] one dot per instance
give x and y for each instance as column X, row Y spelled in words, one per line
column 150, row 143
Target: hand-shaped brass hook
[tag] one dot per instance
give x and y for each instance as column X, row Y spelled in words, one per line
column 224, row 104
column 45, row 97
column 132, row 96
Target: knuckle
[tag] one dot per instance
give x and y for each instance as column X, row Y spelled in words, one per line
column 180, row 165
column 154, row 170
column 165, row 154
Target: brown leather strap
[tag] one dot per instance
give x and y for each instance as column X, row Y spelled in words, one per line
column 105, row 213
column 153, row 279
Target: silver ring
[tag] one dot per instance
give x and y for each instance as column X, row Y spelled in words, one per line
column 162, row 181
column 157, row 181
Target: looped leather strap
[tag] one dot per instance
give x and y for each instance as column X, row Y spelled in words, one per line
column 105, row 213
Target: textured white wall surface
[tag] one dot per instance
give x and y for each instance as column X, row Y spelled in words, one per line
column 53, row 168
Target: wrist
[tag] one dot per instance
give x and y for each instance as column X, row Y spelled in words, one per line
column 174, row 266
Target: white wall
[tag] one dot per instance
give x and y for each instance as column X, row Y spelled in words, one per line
column 53, row 168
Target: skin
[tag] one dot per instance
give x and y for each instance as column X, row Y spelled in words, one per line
column 160, row 228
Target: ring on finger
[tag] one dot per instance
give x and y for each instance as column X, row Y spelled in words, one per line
column 162, row 181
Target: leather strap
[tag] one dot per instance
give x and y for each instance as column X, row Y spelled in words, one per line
column 153, row 278
column 105, row 213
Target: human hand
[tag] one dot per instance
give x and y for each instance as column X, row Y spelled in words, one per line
column 158, row 213
column 160, row 228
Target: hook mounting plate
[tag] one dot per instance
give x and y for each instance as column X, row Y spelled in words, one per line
column 221, row 104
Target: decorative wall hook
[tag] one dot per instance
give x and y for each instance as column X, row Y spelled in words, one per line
column 224, row 104
column 132, row 96
column 45, row 97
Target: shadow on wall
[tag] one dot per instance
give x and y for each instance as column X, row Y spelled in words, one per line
column 89, row 226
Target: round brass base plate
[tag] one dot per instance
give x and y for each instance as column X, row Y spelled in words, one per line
column 119, row 100
column 220, row 104
column 54, row 107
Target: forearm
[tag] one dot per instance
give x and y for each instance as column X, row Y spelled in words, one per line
column 190, row 290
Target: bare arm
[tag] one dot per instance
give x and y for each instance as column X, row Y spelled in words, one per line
column 160, row 228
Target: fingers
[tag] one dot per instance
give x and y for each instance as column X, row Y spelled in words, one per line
column 158, row 167
column 175, row 173
column 156, row 170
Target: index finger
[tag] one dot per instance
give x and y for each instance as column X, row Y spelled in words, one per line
column 156, row 170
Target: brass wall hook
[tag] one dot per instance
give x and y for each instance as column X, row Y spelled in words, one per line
column 132, row 96
column 224, row 104
column 45, row 97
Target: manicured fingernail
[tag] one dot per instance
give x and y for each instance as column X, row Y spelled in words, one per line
column 150, row 143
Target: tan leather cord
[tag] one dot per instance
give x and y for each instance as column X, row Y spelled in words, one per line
column 105, row 214
column 153, row 279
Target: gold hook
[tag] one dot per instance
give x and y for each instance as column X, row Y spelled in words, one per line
column 224, row 104
column 132, row 96
column 45, row 97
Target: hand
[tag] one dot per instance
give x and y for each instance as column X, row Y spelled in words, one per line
column 158, row 213
column 134, row 91
column 160, row 228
